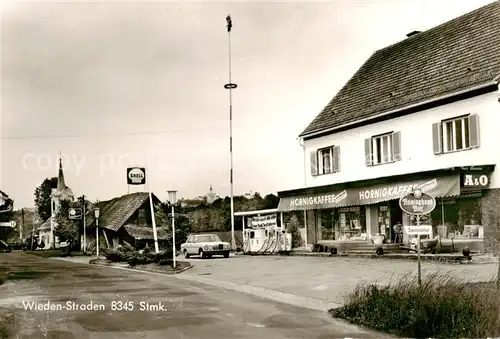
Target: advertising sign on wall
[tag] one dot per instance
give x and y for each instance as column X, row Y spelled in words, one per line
column 437, row 187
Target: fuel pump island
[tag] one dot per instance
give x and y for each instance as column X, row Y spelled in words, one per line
column 261, row 233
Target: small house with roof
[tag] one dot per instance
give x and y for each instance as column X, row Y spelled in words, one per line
column 126, row 220
column 421, row 113
column 6, row 203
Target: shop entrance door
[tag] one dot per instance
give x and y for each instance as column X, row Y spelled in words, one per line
column 396, row 216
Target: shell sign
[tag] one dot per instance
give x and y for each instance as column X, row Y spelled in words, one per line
column 136, row 176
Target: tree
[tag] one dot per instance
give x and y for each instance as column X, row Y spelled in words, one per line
column 183, row 228
column 43, row 197
column 270, row 201
column 67, row 229
column 161, row 216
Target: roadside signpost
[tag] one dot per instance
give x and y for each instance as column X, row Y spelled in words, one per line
column 418, row 203
column 75, row 213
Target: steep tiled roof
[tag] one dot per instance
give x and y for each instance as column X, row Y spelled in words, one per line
column 144, row 232
column 457, row 55
column 116, row 212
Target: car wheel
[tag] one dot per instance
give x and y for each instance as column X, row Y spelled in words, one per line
column 202, row 254
column 186, row 254
column 226, row 254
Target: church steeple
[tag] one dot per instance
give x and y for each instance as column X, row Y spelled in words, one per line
column 61, row 185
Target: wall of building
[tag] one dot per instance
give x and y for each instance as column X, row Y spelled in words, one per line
column 490, row 206
column 416, row 143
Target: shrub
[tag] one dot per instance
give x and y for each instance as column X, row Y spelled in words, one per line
column 4, row 332
column 119, row 254
column 136, row 259
column 126, row 248
column 163, row 255
column 442, row 307
column 113, row 255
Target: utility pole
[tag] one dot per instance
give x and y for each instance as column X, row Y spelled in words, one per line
column 84, row 226
column 230, row 86
column 22, row 224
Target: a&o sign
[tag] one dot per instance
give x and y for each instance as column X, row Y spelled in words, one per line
column 417, row 203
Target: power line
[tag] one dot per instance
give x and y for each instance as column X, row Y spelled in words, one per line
column 108, row 135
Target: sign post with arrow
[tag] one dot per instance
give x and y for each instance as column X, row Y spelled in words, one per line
column 417, row 203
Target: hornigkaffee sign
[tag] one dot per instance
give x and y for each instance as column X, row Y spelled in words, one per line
column 437, row 187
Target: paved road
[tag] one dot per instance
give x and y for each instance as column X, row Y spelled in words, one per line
column 191, row 310
column 324, row 280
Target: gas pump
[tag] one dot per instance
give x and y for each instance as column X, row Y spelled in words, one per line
column 266, row 240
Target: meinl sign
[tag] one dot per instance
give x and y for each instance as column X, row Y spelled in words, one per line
column 136, row 176
column 417, row 203
column 264, row 221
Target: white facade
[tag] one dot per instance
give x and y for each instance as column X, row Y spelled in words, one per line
column 416, row 144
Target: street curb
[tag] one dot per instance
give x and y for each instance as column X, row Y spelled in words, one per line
column 427, row 258
column 111, row 264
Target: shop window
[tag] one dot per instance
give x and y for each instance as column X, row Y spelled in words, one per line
column 383, row 149
column 458, row 218
column 325, row 160
column 456, row 134
column 352, row 224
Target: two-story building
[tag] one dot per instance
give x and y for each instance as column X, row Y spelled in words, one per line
column 421, row 113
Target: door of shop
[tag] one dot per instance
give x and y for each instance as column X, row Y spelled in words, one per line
column 396, row 217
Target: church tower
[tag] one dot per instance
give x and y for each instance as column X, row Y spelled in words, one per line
column 61, row 192
column 210, row 196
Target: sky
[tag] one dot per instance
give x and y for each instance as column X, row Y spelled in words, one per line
column 112, row 84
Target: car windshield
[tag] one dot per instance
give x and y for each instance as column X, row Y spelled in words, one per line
column 208, row 238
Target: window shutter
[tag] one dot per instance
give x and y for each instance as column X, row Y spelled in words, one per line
column 437, row 143
column 474, row 130
column 368, row 152
column 396, row 146
column 314, row 163
column 336, row 159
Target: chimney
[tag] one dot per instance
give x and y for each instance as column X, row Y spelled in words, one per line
column 409, row 35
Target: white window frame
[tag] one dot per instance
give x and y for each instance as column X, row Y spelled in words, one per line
column 387, row 141
column 447, row 148
column 321, row 167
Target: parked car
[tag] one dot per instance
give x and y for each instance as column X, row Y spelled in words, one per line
column 205, row 246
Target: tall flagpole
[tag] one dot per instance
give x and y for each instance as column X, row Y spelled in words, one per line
column 230, row 86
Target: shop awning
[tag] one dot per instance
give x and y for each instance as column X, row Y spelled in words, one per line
column 443, row 186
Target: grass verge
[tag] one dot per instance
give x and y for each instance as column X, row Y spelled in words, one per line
column 442, row 307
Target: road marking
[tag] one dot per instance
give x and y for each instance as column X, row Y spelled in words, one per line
column 213, row 309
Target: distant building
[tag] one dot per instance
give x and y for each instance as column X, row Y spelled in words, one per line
column 61, row 192
column 209, row 198
column 249, row 195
